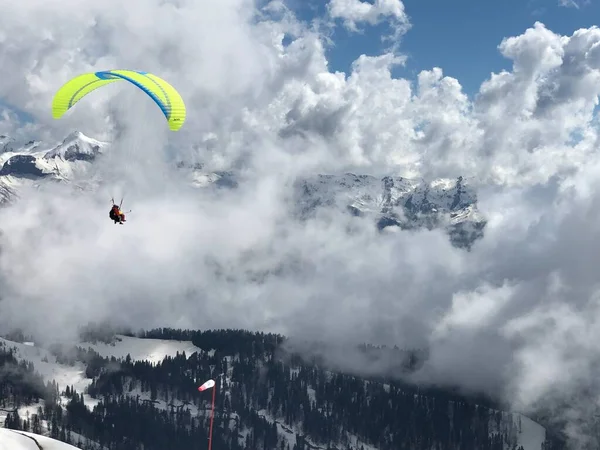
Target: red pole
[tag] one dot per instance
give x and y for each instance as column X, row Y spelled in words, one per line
column 212, row 417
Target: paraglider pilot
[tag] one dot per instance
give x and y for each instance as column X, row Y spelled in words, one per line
column 116, row 215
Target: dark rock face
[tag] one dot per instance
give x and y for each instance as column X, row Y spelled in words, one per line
column 22, row 165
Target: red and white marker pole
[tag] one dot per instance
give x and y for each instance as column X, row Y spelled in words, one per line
column 207, row 385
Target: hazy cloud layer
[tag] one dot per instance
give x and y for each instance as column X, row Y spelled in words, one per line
column 519, row 313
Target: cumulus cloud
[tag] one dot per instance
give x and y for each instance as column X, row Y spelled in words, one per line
column 356, row 12
column 517, row 314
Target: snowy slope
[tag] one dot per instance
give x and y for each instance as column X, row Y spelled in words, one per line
column 21, row 440
column 520, row 429
column 46, row 364
column 152, row 350
column 532, row 434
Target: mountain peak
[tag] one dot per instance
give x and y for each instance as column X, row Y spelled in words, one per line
column 79, row 136
column 77, row 147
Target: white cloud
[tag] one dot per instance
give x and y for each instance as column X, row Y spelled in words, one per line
column 508, row 316
column 573, row 3
column 353, row 13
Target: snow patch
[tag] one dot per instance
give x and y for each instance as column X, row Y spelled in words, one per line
column 151, row 350
column 22, row 440
column 46, row 365
column 532, row 435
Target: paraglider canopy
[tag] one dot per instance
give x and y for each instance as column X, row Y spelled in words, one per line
column 164, row 95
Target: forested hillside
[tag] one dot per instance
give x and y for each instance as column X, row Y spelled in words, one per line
column 267, row 398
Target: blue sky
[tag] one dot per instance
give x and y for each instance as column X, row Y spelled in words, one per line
column 460, row 36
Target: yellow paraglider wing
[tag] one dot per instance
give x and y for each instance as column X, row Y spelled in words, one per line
column 164, row 95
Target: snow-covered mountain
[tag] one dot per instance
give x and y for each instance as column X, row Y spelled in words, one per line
column 35, row 161
column 390, row 201
column 397, row 201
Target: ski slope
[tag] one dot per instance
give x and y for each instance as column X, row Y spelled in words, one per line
column 532, row 434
